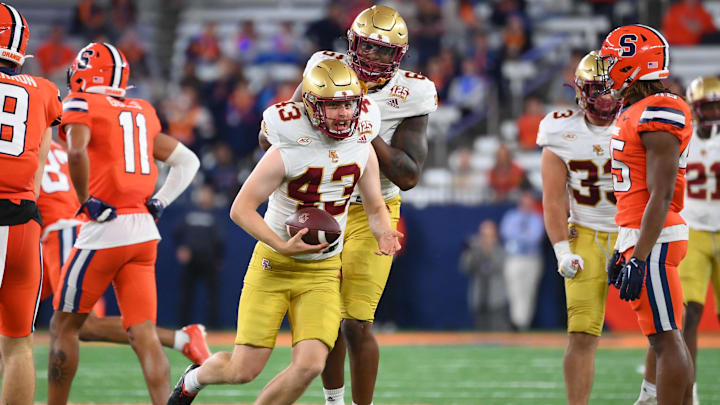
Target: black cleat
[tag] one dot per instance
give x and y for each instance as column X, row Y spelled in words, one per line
column 179, row 396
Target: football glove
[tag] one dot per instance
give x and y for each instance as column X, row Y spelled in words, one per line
column 614, row 266
column 155, row 207
column 97, row 209
column 631, row 279
column 569, row 265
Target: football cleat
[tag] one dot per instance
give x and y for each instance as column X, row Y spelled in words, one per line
column 196, row 349
column 179, row 396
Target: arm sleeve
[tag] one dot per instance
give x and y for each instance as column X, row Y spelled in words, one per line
column 183, row 166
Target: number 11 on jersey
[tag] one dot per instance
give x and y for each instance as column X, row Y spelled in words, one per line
column 126, row 122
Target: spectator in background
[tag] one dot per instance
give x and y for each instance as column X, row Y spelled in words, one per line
column 54, row 55
column 89, row 19
column 204, row 51
column 200, row 248
column 123, row 15
column 484, row 58
column 427, row 30
column 522, row 231
column 516, row 37
column 188, row 121
column 561, row 91
column 505, row 177
column 483, row 261
column 245, row 43
column 529, row 123
column 468, row 90
column 686, row 21
column 242, row 120
column 134, row 50
column 283, row 46
column 222, row 171
column 328, row 33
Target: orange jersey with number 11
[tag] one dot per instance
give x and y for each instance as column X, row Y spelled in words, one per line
column 122, row 168
column 28, row 106
column 660, row 112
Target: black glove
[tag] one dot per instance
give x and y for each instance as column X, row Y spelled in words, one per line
column 97, row 209
column 614, row 266
column 632, row 278
column 155, row 207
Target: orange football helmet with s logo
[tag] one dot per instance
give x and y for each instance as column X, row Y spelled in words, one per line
column 634, row 52
column 14, row 35
column 99, row 68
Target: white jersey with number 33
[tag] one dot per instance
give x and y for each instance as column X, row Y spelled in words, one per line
column 585, row 151
column 702, row 196
column 407, row 94
column 319, row 171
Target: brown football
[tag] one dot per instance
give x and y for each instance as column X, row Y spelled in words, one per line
column 322, row 227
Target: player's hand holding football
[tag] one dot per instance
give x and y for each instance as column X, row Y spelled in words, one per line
column 570, row 264
column 631, row 279
column 614, row 267
column 98, row 210
column 389, row 243
column 296, row 246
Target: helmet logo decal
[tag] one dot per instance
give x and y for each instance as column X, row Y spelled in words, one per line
column 84, row 61
column 627, row 42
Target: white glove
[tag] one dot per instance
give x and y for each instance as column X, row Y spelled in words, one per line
column 568, row 263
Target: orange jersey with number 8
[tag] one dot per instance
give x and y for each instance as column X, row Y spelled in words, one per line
column 122, row 168
column 28, row 106
column 660, row 112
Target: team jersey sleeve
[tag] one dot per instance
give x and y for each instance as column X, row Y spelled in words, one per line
column 666, row 113
column 269, row 126
column 319, row 56
column 53, row 103
column 75, row 110
column 373, row 115
column 543, row 135
column 423, row 98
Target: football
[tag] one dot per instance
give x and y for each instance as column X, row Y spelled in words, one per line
column 322, row 227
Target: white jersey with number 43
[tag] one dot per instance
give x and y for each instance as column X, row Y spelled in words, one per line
column 585, row 150
column 407, row 94
column 702, row 197
column 319, row 171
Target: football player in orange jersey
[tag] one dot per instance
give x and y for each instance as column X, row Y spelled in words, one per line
column 58, row 204
column 112, row 143
column 649, row 155
column 29, row 106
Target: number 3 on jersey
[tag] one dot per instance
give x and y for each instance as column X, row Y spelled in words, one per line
column 305, row 188
column 126, row 122
column 13, row 119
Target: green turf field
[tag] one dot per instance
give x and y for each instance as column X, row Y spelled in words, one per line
column 408, row 375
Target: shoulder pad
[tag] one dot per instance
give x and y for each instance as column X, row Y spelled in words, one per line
column 554, row 123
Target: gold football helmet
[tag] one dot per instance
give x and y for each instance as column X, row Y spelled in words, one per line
column 589, row 88
column 703, row 94
column 331, row 81
column 381, row 32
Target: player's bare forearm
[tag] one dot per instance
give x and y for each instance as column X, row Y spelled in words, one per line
column 378, row 219
column 42, row 158
column 79, row 167
column 661, row 167
column 403, row 159
column 252, row 223
column 554, row 178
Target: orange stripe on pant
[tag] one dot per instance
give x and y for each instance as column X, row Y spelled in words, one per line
column 21, row 280
column 131, row 269
column 660, row 306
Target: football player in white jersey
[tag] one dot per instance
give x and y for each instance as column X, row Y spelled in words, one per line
column 378, row 40
column 321, row 151
column 701, row 264
column 576, row 164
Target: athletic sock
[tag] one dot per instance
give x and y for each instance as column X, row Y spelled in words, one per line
column 191, row 384
column 335, row 396
column 647, row 391
column 181, row 338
